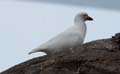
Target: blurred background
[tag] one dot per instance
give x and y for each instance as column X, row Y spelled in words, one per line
column 25, row 24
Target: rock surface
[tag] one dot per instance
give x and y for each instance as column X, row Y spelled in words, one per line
column 95, row 57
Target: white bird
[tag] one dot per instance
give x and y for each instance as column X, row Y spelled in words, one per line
column 71, row 37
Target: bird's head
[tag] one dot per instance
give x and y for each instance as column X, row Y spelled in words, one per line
column 83, row 16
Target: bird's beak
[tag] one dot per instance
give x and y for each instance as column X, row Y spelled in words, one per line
column 89, row 18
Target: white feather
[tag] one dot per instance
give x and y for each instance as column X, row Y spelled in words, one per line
column 71, row 37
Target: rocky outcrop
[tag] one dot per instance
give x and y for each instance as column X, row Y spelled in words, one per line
column 95, row 57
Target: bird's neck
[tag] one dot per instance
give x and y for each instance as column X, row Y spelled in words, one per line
column 81, row 25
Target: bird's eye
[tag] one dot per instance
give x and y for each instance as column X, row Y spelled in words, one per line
column 85, row 15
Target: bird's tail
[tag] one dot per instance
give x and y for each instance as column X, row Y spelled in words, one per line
column 39, row 50
column 31, row 52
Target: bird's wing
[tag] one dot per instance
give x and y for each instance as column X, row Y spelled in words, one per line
column 65, row 39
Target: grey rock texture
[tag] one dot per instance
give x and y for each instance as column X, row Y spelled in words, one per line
column 95, row 57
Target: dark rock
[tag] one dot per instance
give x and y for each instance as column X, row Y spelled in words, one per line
column 116, row 38
column 96, row 57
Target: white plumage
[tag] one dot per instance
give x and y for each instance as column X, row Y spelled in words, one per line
column 71, row 37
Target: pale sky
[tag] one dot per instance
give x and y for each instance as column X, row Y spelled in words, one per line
column 25, row 25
